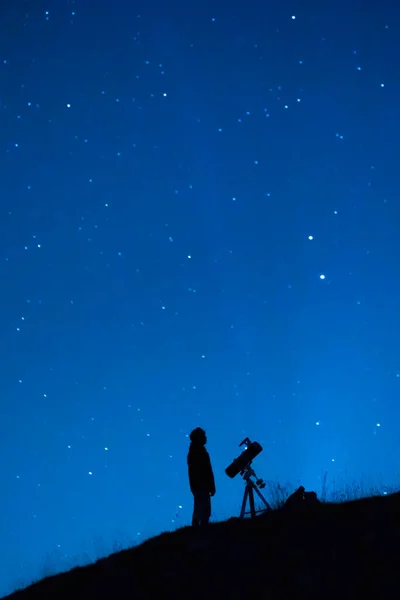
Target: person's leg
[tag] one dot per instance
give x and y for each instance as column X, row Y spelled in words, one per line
column 196, row 511
column 208, row 507
column 205, row 508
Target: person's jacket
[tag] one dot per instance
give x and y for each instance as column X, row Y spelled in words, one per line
column 201, row 476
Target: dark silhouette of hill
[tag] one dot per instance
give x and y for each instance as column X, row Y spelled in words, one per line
column 305, row 549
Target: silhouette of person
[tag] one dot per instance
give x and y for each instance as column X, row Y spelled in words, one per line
column 201, row 477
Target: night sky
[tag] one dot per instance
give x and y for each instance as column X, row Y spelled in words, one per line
column 199, row 216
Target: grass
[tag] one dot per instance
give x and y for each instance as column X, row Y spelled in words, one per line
column 275, row 493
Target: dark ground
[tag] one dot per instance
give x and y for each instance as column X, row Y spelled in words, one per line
column 347, row 550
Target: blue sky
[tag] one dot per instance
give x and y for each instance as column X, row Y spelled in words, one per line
column 199, row 213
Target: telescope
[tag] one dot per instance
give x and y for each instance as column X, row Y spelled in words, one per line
column 242, row 465
column 238, row 465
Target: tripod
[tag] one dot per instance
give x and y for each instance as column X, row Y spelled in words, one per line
column 250, row 488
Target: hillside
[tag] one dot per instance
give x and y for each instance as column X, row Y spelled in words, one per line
column 325, row 550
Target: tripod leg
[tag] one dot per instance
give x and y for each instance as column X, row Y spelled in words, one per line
column 252, row 506
column 262, row 498
column 243, row 509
